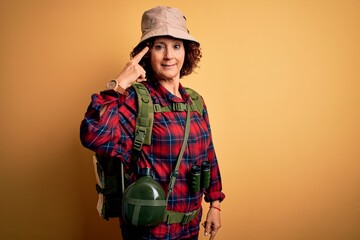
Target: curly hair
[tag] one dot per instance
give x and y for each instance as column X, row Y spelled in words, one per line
column 192, row 57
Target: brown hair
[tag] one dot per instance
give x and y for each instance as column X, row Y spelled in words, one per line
column 192, row 57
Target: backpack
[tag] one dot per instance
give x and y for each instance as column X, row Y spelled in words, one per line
column 109, row 171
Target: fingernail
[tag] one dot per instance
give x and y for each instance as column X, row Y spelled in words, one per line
column 206, row 234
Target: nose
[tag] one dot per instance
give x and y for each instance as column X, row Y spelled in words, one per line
column 169, row 53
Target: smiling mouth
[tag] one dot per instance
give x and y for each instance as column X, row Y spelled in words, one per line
column 168, row 65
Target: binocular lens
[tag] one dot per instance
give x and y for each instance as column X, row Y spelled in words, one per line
column 205, row 174
column 195, row 178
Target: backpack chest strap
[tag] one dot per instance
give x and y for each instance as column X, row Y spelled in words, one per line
column 174, row 107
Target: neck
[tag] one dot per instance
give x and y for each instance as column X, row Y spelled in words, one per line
column 172, row 86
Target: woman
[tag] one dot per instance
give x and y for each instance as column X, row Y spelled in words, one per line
column 165, row 54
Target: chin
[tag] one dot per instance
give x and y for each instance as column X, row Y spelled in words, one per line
column 169, row 77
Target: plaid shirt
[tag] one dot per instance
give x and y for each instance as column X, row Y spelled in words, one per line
column 113, row 134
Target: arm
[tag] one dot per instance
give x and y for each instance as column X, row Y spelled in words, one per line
column 214, row 193
column 109, row 118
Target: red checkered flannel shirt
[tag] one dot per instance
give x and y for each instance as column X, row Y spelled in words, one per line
column 113, row 134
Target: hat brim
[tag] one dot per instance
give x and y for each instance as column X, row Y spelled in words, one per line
column 168, row 31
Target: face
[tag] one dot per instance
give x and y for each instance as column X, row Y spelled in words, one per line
column 167, row 58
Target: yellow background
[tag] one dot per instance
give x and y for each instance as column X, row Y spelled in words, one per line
column 281, row 80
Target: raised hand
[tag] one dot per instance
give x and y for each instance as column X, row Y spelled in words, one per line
column 133, row 71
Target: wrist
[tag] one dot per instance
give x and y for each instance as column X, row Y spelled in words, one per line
column 217, row 208
column 115, row 85
column 215, row 203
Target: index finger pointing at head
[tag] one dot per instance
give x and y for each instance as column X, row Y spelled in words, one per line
column 140, row 55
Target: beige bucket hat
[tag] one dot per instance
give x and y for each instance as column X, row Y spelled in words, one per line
column 164, row 21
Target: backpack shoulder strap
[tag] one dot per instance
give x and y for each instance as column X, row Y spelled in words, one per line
column 196, row 100
column 144, row 118
column 143, row 125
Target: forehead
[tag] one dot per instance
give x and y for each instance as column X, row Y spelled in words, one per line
column 166, row 39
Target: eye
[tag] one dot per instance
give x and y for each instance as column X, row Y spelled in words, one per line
column 177, row 46
column 159, row 47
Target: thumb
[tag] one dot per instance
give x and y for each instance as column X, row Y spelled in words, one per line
column 207, row 226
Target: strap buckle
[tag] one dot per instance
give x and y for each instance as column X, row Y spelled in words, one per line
column 179, row 107
column 139, row 139
column 157, row 108
column 180, row 217
column 189, row 216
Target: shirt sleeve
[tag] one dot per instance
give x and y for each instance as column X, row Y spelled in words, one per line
column 214, row 192
column 109, row 133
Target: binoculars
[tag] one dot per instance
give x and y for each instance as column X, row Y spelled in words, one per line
column 200, row 176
